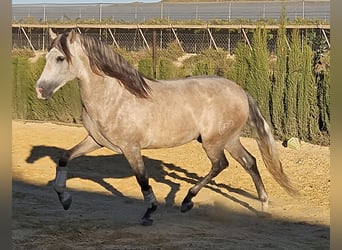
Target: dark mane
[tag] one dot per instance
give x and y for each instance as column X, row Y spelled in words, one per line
column 105, row 61
column 60, row 42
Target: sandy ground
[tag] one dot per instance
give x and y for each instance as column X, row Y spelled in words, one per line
column 107, row 203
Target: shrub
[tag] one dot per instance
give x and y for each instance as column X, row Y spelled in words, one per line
column 167, row 69
column 145, row 66
column 210, row 62
column 172, row 51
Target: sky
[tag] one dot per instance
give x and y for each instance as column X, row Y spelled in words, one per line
column 81, row 1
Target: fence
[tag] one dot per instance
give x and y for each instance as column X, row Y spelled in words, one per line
column 140, row 12
column 190, row 38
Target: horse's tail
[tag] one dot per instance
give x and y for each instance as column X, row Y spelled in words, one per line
column 267, row 146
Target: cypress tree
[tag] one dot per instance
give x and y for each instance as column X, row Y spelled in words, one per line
column 296, row 75
column 307, row 109
column 322, row 72
column 241, row 66
column 258, row 76
column 311, row 94
column 279, row 80
column 295, row 79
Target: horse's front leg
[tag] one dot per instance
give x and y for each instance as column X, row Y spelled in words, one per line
column 85, row 146
column 136, row 162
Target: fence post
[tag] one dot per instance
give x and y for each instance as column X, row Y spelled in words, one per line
column 230, row 10
column 100, row 12
column 161, row 10
column 44, row 14
column 154, row 53
column 43, row 39
column 229, row 41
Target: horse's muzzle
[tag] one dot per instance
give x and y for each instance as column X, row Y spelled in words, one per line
column 40, row 93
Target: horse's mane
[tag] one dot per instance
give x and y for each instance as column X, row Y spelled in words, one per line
column 105, row 61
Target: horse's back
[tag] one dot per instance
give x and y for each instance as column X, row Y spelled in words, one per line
column 204, row 86
column 205, row 92
column 198, row 106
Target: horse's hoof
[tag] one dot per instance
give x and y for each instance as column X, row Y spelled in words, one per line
column 186, row 206
column 146, row 221
column 264, row 206
column 65, row 199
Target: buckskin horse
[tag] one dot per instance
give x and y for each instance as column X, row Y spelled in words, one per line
column 126, row 112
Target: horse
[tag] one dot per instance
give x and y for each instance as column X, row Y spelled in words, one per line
column 126, row 112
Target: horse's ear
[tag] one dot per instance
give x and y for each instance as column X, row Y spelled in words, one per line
column 52, row 34
column 72, row 36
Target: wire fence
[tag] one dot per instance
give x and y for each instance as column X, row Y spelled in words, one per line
column 189, row 39
column 140, row 12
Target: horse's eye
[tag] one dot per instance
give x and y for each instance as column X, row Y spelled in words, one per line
column 60, row 59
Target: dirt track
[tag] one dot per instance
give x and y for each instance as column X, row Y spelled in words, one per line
column 107, row 203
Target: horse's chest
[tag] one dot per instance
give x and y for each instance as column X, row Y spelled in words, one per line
column 105, row 132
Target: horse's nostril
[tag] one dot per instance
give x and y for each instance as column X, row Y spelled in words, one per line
column 40, row 92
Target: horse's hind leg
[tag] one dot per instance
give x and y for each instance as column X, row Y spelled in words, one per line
column 85, row 146
column 248, row 161
column 219, row 162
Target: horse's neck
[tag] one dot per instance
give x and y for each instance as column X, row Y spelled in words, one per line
column 96, row 90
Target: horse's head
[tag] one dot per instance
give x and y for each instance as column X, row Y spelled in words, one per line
column 72, row 55
column 59, row 67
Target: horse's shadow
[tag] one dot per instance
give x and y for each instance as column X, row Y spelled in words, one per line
column 98, row 168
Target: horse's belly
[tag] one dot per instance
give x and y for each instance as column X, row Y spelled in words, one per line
column 170, row 136
column 166, row 143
